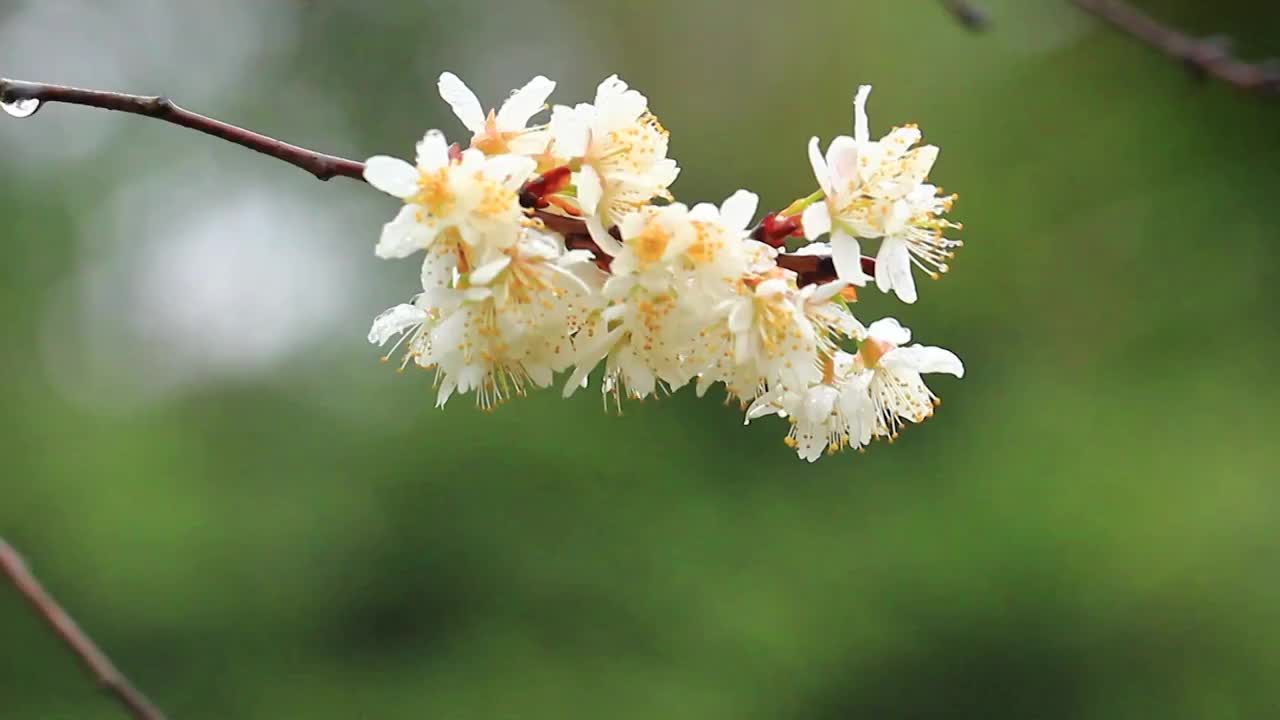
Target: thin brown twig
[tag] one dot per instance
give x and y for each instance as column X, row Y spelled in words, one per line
column 104, row 671
column 967, row 14
column 321, row 165
column 1207, row 57
column 161, row 108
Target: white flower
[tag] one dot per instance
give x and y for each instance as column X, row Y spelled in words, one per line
column 675, row 244
column 667, row 294
column 395, row 321
column 915, row 237
column 623, row 154
column 876, row 189
column 830, row 415
column 504, row 131
column 772, row 335
column 470, row 202
column 504, row 326
column 672, row 284
column 774, row 344
column 896, row 390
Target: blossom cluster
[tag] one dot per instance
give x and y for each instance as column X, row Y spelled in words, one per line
column 553, row 247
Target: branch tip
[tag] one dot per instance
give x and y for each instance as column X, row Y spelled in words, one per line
column 64, row 626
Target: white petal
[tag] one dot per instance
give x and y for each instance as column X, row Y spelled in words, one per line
column 818, row 403
column 569, row 280
column 476, row 294
column 541, row 375
column 404, row 235
column 485, row 274
column 590, row 189
column 437, row 268
column 607, row 243
column 895, row 258
column 900, row 138
column 575, row 257
column 889, row 330
column 392, row 176
column 610, row 88
column 524, row 104
column 826, row 291
column 740, row 316
column 896, row 219
column 761, row 407
column 445, row 392
column 530, row 142
column 432, row 151
column 916, row 166
column 510, row 170
column 705, row 212
column 847, row 256
column 589, row 357
column 738, row 210
column 861, row 131
column 462, row 100
column 816, row 220
column 641, row 379
column 571, row 130
column 394, row 321
column 870, row 158
column 924, row 359
column 617, row 105
column 819, row 249
column 842, row 161
column 772, row 286
column 820, row 171
column 889, row 252
column 664, row 172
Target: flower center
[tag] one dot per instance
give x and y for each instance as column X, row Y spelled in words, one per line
column 872, row 350
column 494, row 198
column 651, row 243
column 434, row 193
column 704, row 246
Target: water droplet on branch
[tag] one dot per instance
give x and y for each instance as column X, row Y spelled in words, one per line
column 24, row 108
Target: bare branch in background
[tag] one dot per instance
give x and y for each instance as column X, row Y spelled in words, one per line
column 1207, row 57
column 23, row 98
column 104, row 671
column 968, row 14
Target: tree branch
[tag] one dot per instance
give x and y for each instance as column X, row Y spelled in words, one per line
column 1207, row 57
column 967, row 14
column 104, row 672
column 161, row 108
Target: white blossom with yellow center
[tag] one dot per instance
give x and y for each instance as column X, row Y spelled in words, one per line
column 620, row 153
column 673, row 294
column 470, row 202
column 830, row 415
column 877, row 189
column 504, row 130
column 895, row 388
column 505, row 326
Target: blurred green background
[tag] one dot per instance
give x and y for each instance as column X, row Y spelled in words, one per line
column 204, row 460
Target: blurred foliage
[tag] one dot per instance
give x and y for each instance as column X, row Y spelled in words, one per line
column 1087, row 528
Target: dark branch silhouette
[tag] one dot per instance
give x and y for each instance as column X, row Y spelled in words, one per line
column 968, row 14
column 104, row 671
column 1207, row 57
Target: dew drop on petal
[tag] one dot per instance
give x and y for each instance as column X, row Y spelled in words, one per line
column 23, row 108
